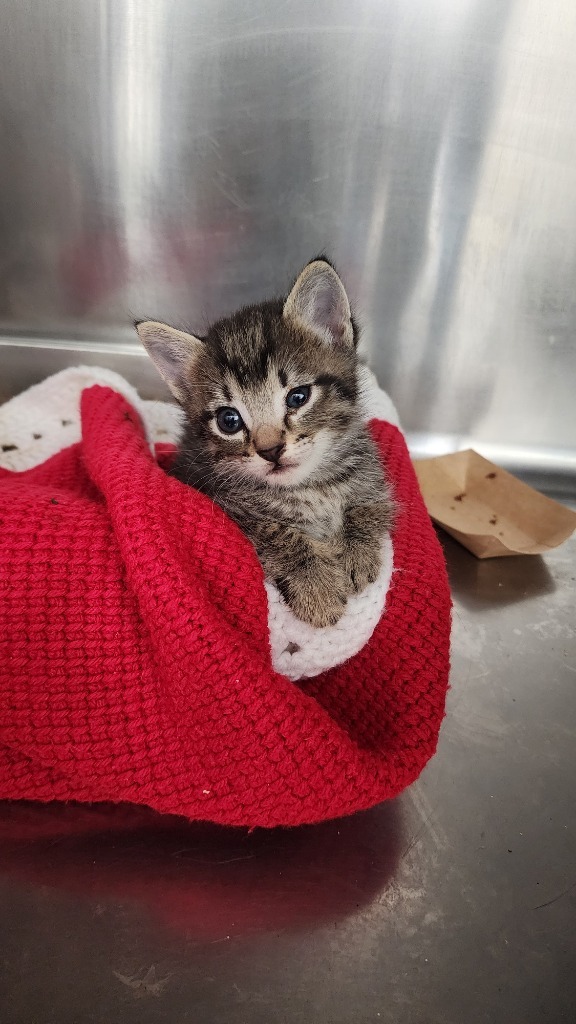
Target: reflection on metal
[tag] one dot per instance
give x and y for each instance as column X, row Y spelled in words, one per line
column 176, row 159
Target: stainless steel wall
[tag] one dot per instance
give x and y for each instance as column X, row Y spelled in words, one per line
column 175, row 158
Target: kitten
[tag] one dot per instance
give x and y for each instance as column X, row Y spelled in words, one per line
column 274, row 435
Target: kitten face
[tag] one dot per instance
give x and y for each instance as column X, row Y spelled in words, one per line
column 270, row 401
column 270, row 392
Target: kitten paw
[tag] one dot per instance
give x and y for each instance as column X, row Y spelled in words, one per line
column 361, row 565
column 317, row 596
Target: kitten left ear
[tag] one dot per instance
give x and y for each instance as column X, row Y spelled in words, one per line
column 172, row 351
column 319, row 302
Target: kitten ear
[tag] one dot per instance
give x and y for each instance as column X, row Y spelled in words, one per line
column 318, row 301
column 172, row 351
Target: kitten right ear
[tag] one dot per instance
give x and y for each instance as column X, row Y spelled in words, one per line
column 319, row 302
column 172, row 352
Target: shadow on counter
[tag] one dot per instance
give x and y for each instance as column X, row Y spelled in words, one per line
column 494, row 582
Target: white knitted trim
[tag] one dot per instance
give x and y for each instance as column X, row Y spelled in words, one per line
column 375, row 403
column 51, row 410
column 46, row 418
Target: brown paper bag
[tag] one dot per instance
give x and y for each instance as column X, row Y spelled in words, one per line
column 488, row 510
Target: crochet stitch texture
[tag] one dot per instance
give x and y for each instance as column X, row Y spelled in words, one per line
column 134, row 649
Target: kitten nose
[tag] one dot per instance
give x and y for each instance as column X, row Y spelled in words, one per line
column 271, row 454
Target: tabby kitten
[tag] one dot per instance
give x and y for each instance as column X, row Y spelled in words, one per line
column 274, row 435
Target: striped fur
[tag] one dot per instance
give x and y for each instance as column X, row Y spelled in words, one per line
column 315, row 504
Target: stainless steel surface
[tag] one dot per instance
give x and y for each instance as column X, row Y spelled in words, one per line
column 175, row 159
column 453, row 904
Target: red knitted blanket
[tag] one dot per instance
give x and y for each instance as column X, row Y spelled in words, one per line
column 134, row 654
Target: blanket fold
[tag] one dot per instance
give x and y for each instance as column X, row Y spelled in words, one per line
column 135, row 660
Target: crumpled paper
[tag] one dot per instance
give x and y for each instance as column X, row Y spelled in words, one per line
column 488, row 510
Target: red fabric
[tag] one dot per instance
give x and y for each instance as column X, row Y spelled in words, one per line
column 134, row 655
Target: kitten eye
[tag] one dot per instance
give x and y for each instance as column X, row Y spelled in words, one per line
column 298, row 397
column 229, row 420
